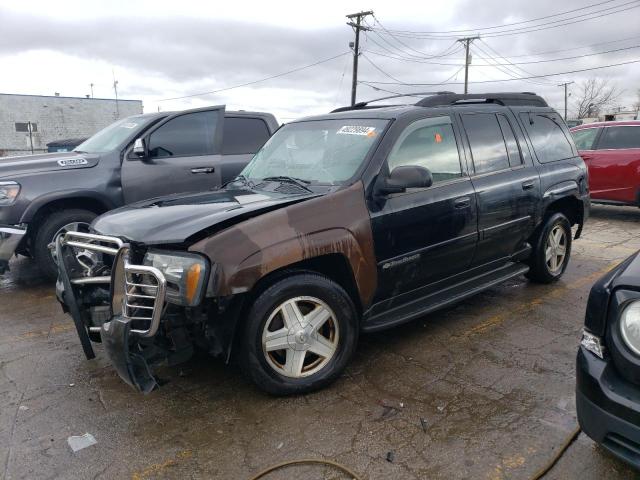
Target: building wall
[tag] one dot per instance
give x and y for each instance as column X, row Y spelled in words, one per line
column 56, row 118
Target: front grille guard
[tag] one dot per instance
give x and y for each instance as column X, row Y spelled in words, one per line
column 137, row 303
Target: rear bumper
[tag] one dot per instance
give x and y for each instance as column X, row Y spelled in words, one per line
column 10, row 238
column 608, row 407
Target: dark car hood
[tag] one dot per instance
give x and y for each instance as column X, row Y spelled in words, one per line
column 11, row 167
column 628, row 274
column 173, row 219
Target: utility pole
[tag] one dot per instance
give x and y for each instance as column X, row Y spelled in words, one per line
column 356, row 48
column 115, row 89
column 91, row 85
column 467, row 41
column 565, row 97
column 30, row 127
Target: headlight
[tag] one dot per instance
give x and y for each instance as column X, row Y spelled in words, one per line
column 630, row 326
column 8, row 193
column 186, row 275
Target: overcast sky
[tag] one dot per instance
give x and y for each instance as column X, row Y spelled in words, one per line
column 163, row 49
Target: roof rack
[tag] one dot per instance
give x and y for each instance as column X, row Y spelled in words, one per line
column 511, row 99
column 363, row 105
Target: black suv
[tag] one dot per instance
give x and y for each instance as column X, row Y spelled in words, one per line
column 608, row 367
column 354, row 221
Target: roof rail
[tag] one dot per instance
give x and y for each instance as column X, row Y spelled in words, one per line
column 362, row 105
column 512, row 99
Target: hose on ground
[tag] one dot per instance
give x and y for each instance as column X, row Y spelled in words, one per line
column 553, row 460
column 306, row 461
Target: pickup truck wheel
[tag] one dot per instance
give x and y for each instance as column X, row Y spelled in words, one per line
column 299, row 335
column 551, row 250
column 56, row 224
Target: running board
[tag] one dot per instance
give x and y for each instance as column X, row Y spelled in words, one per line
column 442, row 298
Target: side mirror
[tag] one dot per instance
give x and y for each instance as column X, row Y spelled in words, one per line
column 407, row 176
column 139, row 148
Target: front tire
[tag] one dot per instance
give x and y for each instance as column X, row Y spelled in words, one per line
column 56, row 224
column 551, row 250
column 299, row 335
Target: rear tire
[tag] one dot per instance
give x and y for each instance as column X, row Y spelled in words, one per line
column 287, row 324
column 49, row 229
column 551, row 250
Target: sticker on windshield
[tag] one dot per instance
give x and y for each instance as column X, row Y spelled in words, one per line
column 357, row 130
column 129, row 125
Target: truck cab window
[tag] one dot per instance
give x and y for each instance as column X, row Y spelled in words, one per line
column 243, row 135
column 187, row 135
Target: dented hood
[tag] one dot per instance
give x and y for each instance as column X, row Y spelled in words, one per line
column 12, row 167
column 174, row 219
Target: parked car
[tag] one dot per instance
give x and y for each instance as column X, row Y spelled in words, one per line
column 353, row 221
column 608, row 365
column 611, row 151
column 65, row 145
column 143, row 156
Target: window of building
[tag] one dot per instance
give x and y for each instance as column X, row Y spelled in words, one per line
column 23, row 127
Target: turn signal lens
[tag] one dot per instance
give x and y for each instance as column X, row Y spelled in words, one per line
column 593, row 343
column 192, row 282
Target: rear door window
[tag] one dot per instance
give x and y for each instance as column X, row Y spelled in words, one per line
column 243, row 135
column 191, row 134
column 619, row 138
column 547, row 136
column 428, row 143
column 487, row 144
column 584, row 138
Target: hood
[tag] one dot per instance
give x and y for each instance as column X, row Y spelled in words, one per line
column 628, row 273
column 11, row 167
column 174, row 219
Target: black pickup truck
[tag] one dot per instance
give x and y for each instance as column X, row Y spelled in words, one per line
column 353, row 221
column 143, row 156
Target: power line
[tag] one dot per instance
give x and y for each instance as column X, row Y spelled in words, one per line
column 479, row 29
column 257, row 81
column 520, row 78
column 531, row 28
column 538, row 54
column 381, row 70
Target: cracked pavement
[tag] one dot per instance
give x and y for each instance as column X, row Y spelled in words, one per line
column 492, row 380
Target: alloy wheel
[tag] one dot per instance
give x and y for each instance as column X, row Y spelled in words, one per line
column 556, row 249
column 300, row 337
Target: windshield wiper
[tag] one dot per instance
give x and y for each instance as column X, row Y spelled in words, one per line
column 239, row 179
column 296, row 181
column 80, row 151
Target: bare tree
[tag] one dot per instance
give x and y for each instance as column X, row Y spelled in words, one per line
column 593, row 95
column 638, row 100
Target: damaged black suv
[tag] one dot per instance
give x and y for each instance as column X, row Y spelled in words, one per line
column 353, row 221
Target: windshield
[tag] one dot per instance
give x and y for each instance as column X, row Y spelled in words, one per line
column 321, row 151
column 111, row 137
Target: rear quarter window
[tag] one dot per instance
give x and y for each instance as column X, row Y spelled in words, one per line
column 243, row 135
column 547, row 136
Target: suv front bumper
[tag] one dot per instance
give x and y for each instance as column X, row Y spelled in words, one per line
column 10, row 238
column 608, row 407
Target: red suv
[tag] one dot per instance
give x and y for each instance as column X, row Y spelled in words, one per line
column 611, row 151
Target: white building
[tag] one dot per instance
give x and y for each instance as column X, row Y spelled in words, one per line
column 29, row 122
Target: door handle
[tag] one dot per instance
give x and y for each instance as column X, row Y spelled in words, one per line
column 462, row 202
column 203, row 170
column 528, row 185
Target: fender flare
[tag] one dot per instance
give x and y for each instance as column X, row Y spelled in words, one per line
column 47, row 198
